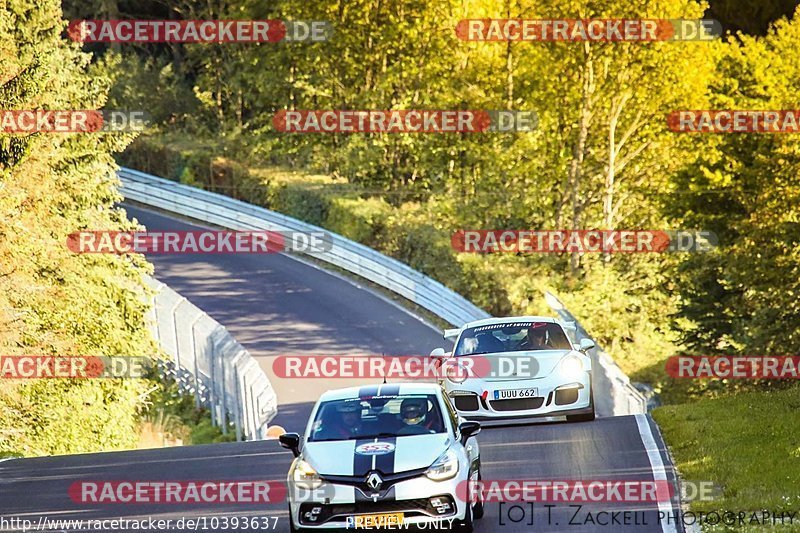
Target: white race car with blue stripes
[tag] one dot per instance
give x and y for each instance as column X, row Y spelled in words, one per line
column 391, row 455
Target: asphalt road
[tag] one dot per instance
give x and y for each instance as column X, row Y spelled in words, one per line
column 608, row 448
column 275, row 305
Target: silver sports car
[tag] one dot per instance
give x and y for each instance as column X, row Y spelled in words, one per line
column 518, row 367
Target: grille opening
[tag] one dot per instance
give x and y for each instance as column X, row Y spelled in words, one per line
column 466, row 402
column 517, row 404
column 338, row 512
column 566, row 396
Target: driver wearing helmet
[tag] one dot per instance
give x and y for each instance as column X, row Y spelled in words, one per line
column 349, row 423
column 413, row 413
column 536, row 339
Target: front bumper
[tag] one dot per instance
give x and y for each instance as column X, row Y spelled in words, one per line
column 421, row 500
column 475, row 400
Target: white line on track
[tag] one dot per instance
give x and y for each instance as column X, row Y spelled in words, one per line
column 657, row 467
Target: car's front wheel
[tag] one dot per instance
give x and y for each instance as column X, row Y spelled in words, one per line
column 477, row 509
column 293, row 528
column 466, row 525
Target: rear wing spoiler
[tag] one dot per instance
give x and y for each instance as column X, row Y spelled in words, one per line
column 451, row 334
column 569, row 324
column 571, row 329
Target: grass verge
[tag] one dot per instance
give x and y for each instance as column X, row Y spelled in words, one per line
column 174, row 418
column 747, row 444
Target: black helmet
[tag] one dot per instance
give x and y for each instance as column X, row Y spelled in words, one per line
column 413, row 410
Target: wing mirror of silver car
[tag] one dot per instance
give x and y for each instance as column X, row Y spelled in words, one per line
column 291, row 441
column 586, row 345
column 439, row 352
column 468, row 429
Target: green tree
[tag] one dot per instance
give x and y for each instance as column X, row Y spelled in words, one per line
column 746, row 188
column 53, row 301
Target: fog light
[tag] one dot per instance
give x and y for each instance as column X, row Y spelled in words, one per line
column 441, row 506
column 313, row 515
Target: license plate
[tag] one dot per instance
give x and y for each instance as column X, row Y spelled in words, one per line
column 514, row 393
column 373, row 521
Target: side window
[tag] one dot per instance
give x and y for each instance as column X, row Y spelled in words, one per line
column 557, row 338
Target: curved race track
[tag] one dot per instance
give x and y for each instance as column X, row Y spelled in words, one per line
column 276, row 305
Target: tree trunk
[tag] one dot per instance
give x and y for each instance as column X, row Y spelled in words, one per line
column 509, row 66
column 579, row 149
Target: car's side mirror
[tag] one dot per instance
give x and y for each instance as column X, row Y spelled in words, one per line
column 468, row 429
column 438, row 352
column 586, row 345
column 291, row 441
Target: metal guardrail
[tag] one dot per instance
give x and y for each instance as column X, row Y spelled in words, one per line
column 389, row 273
column 354, row 257
column 209, row 363
column 626, row 399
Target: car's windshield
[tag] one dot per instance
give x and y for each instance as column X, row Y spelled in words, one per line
column 512, row 337
column 379, row 416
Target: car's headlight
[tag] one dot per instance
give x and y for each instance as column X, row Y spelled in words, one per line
column 572, row 365
column 445, row 467
column 305, row 476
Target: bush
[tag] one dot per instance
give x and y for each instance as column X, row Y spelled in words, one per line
column 149, row 155
column 186, row 421
column 358, row 219
column 301, row 203
column 623, row 306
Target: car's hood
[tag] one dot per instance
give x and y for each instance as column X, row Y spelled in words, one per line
column 389, row 455
column 522, row 365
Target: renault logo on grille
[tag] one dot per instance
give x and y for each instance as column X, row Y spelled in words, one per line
column 374, row 481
